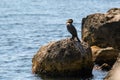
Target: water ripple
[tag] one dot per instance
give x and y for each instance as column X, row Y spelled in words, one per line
column 25, row 25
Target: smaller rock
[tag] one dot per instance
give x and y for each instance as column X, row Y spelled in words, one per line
column 104, row 56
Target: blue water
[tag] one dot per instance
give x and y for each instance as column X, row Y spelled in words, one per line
column 25, row 25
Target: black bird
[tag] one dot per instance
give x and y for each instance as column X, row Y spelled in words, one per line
column 72, row 29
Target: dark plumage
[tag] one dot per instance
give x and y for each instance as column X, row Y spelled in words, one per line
column 72, row 29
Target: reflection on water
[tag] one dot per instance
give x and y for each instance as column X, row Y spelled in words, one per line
column 61, row 78
column 97, row 75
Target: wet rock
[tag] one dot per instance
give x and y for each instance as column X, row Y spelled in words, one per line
column 104, row 56
column 104, row 67
column 114, row 73
column 63, row 58
column 102, row 30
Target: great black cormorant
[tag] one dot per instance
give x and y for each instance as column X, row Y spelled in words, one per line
column 72, row 29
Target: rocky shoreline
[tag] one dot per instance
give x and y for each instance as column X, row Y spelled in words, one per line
column 102, row 33
column 100, row 36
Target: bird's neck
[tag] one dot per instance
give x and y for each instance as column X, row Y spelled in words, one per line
column 69, row 23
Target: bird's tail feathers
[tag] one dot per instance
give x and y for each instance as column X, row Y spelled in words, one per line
column 78, row 39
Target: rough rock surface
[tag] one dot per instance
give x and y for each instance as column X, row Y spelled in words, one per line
column 114, row 73
column 63, row 58
column 104, row 55
column 102, row 30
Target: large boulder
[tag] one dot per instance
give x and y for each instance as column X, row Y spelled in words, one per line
column 63, row 58
column 102, row 30
column 103, row 56
column 114, row 73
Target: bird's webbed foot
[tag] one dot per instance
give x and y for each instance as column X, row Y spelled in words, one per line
column 71, row 39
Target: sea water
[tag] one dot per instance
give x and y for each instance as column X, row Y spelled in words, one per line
column 26, row 25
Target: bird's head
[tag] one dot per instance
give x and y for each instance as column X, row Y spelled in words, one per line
column 69, row 21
